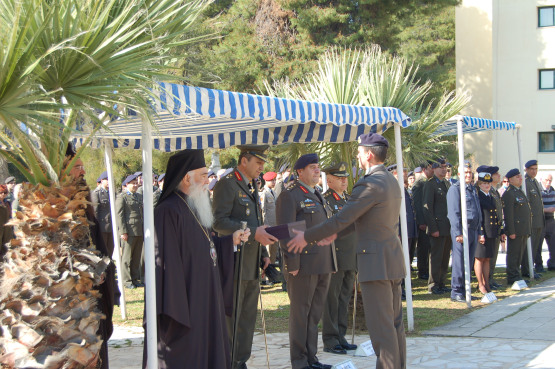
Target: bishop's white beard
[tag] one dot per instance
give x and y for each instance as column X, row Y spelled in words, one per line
column 199, row 200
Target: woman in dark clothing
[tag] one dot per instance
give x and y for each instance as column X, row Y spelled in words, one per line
column 491, row 229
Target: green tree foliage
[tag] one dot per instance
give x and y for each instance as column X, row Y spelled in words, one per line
column 275, row 39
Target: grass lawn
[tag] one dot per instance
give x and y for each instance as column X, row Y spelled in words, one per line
column 429, row 310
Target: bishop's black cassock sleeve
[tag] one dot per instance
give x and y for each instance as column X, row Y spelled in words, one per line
column 224, row 248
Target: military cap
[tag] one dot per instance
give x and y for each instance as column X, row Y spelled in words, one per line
column 138, row 174
column 211, row 173
column 372, row 139
column 305, row 160
column 529, row 163
column 438, row 163
column 269, row 176
column 161, row 177
column 9, row 179
column 411, row 173
column 391, row 168
column 418, row 170
column 492, row 170
column 449, row 165
column 283, row 168
column 258, row 151
column 102, row 176
column 467, row 164
column 482, row 168
column 511, row 173
column 485, row 177
column 337, row 169
column 129, row 179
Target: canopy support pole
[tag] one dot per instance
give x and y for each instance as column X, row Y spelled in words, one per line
column 521, row 167
column 403, row 215
column 150, row 278
column 464, row 219
column 117, row 252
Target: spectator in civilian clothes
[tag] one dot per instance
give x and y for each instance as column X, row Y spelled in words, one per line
column 548, row 196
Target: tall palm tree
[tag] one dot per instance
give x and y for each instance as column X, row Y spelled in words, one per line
column 69, row 65
column 372, row 78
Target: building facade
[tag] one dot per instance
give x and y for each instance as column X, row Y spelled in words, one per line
column 505, row 52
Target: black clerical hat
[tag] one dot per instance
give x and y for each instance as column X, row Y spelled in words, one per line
column 178, row 166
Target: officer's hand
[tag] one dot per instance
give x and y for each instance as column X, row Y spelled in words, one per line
column 124, row 237
column 459, row 239
column 512, row 236
column 297, row 243
column 328, row 240
column 240, row 235
column 503, row 238
column 264, row 237
column 482, row 240
column 435, row 234
column 422, row 227
column 294, row 272
column 266, row 263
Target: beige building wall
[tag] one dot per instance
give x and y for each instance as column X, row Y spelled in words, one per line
column 500, row 49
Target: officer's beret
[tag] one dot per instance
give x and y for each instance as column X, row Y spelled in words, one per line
column 138, row 174
column 482, row 168
column 391, row 168
column 449, row 165
column 161, row 177
column 9, row 179
column 211, row 173
column 511, row 173
column 418, row 170
column 485, row 177
column 305, row 160
column 259, row 151
column 492, row 170
column 411, row 173
column 129, row 179
column 467, row 164
column 337, row 169
column 438, row 163
column 269, row 176
column 104, row 175
column 372, row 139
column 529, row 163
column 283, row 168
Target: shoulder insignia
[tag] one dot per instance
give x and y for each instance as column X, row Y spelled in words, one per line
column 336, row 196
column 238, row 176
column 303, row 189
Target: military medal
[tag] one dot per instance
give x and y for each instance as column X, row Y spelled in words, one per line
column 248, row 211
column 213, row 253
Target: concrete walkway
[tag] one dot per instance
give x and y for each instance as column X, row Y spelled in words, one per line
column 517, row 332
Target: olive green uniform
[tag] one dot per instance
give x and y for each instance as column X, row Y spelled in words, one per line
column 336, row 318
column 534, row 194
column 233, row 202
column 129, row 208
column 435, row 214
column 308, row 289
column 518, row 220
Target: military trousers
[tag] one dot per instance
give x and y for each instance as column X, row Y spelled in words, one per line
column 247, row 306
column 515, row 251
column 383, row 312
column 423, row 253
column 549, row 236
column 131, row 260
column 493, row 260
column 336, row 311
column 307, row 295
column 109, row 242
column 537, row 241
column 457, row 263
column 440, row 249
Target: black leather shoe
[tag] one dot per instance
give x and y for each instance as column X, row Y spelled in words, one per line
column 458, row 298
column 436, row 291
column 139, row 284
column 319, row 365
column 540, row 269
column 348, row 346
column 445, row 289
column 495, row 284
column 537, row 276
column 337, row 349
column 424, row 277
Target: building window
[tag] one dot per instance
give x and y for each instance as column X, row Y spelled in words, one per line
column 546, row 141
column 546, row 16
column 547, row 79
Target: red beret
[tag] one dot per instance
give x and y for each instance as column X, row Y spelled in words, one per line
column 269, row 176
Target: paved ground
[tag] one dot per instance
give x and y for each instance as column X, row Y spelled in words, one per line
column 518, row 332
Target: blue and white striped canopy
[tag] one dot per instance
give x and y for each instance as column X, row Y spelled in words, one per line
column 199, row 118
column 472, row 124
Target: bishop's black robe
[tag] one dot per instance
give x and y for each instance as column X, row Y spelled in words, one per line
column 190, row 291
